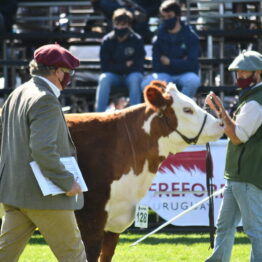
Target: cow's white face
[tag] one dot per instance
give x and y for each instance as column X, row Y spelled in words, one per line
column 190, row 118
column 182, row 115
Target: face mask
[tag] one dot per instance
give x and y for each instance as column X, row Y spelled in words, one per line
column 121, row 32
column 247, row 82
column 65, row 80
column 169, row 23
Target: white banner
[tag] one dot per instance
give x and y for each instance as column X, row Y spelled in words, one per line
column 181, row 182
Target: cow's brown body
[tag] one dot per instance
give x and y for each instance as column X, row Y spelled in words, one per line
column 105, row 152
column 110, row 147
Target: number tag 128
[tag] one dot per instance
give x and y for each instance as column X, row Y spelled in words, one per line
column 141, row 219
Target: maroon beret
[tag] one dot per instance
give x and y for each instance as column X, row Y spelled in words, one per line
column 55, row 55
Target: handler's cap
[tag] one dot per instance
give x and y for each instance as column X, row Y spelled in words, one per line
column 56, row 56
column 247, row 61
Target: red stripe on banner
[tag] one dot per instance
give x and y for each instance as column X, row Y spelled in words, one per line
column 188, row 160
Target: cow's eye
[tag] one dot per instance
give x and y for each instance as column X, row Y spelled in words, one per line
column 188, row 110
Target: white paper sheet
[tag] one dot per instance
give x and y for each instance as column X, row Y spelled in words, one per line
column 48, row 187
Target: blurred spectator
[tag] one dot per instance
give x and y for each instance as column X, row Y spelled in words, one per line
column 141, row 9
column 122, row 60
column 8, row 10
column 175, row 51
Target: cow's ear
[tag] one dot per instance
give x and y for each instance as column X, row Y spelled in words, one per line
column 158, row 83
column 156, row 97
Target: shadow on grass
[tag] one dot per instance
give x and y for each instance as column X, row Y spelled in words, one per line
column 38, row 239
column 186, row 240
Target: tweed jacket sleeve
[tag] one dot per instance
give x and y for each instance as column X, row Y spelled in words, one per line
column 47, row 126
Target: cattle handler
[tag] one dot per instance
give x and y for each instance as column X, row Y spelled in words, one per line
column 34, row 129
column 243, row 189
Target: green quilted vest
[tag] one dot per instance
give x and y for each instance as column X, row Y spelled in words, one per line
column 244, row 161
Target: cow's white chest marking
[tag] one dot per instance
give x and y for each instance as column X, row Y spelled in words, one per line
column 125, row 194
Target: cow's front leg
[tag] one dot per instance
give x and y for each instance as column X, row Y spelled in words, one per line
column 108, row 247
column 91, row 223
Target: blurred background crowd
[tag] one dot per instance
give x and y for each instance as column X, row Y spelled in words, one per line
column 222, row 29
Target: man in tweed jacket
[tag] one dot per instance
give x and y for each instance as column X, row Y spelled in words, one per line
column 34, row 129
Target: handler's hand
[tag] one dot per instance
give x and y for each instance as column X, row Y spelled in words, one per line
column 76, row 189
column 215, row 104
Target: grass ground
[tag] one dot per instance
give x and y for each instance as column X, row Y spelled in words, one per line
column 162, row 247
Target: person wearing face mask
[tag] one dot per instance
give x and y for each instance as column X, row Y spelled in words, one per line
column 122, row 61
column 34, row 129
column 175, row 51
column 243, row 189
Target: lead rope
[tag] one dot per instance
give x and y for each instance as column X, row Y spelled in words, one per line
column 209, row 184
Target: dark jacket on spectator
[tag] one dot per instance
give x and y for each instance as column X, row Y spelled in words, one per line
column 115, row 54
column 181, row 48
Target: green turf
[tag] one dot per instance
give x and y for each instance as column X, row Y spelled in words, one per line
column 162, row 247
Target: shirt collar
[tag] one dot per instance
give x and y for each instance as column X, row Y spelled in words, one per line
column 56, row 91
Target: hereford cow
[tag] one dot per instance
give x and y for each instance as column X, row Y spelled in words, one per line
column 119, row 154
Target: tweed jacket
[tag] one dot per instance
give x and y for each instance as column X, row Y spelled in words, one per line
column 34, row 129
